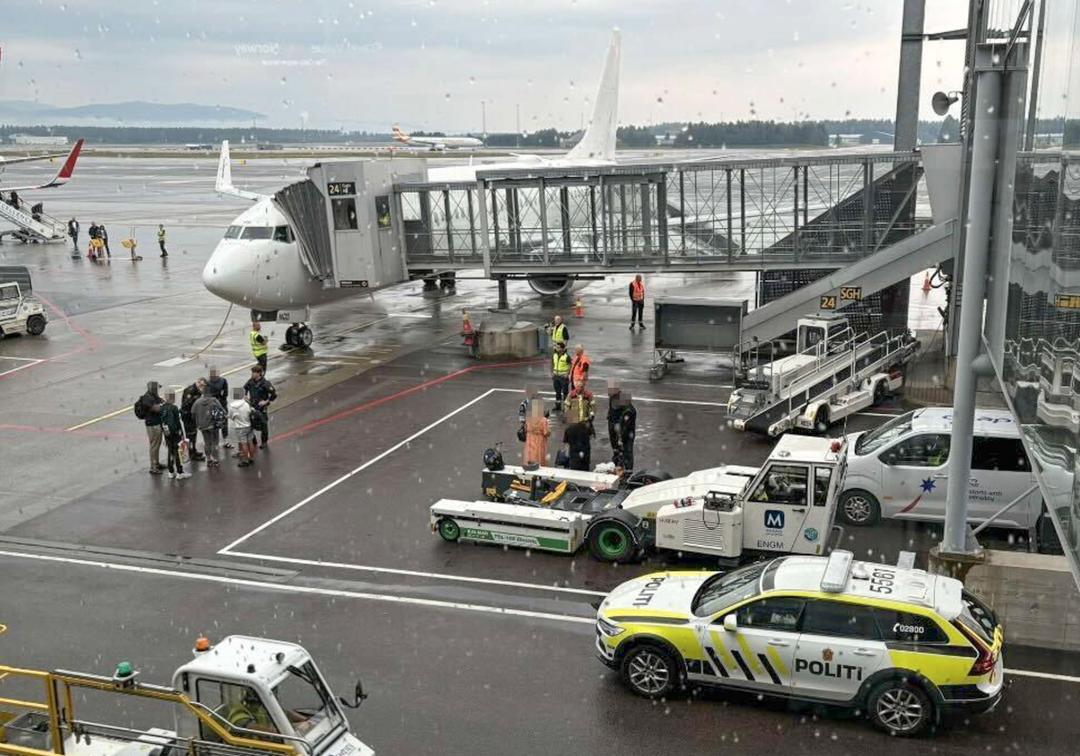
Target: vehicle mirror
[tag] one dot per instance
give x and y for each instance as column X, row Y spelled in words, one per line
column 358, row 696
column 730, row 624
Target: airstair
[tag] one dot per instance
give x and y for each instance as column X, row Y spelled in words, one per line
column 31, row 226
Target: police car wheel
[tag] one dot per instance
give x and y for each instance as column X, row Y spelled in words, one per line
column 650, row 671
column 35, row 325
column 449, row 530
column 858, row 508
column 611, row 542
column 900, row 708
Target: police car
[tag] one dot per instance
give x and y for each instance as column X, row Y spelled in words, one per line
column 900, row 644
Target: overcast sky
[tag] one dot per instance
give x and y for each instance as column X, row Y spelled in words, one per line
column 365, row 64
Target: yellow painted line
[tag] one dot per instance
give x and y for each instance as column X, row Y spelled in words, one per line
column 99, row 419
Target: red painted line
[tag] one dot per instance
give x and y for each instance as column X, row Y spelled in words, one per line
column 398, row 395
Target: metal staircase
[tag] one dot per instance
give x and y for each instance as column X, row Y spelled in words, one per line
column 30, row 226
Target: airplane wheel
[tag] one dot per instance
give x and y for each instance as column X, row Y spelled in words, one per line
column 290, row 336
column 304, row 336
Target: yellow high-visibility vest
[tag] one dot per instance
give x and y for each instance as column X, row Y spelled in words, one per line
column 558, row 333
column 258, row 349
column 560, row 363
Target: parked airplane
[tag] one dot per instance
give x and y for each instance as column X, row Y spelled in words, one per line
column 61, row 176
column 435, row 143
column 258, row 264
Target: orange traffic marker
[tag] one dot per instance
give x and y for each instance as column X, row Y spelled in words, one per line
column 926, row 284
column 579, row 309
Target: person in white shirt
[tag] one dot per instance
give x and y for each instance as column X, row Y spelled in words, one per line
column 240, row 417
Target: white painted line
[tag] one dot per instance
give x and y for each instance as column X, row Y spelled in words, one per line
column 414, row 573
column 21, row 359
column 1042, row 675
column 879, row 414
column 408, row 315
column 346, row 476
column 172, row 362
column 21, row 367
column 262, row 585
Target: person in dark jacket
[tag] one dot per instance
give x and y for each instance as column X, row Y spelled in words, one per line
column 104, row 235
column 209, row 412
column 172, row 429
column 73, row 232
column 614, row 414
column 578, row 446
column 151, row 402
column 191, row 428
column 626, row 429
column 260, row 393
column 218, row 387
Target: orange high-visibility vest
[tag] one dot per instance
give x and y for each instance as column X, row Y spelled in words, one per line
column 637, row 290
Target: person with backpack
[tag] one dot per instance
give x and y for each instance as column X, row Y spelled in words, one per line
column 218, row 387
column 260, row 393
column 148, row 409
column 210, row 416
column 172, row 430
column 191, row 428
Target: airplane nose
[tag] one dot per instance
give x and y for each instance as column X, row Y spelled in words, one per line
column 225, row 279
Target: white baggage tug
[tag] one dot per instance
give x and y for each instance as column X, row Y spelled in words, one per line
column 728, row 512
column 243, row 697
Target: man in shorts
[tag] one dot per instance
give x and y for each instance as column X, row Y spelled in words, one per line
column 240, row 417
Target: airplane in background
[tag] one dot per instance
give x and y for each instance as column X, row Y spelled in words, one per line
column 258, row 263
column 62, row 176
column 435, row 143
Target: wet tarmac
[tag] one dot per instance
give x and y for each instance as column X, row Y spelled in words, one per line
column 466, row 649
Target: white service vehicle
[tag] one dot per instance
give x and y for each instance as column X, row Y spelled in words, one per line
column 901, row 469
column 833, row 373
column 19, row 313
column 243, row 697
column 728, row 512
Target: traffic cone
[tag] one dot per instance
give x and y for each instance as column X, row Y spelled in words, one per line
column 579, row 309
column 926, row 284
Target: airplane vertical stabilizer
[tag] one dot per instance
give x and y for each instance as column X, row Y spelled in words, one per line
column 598, row 143
column 224, row 184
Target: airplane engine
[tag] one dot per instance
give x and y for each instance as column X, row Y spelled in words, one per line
column 552, row 286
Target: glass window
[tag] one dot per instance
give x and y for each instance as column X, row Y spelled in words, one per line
column 307, row 703
column 233, row 232
column 239, row 705
column 783, row 484
column 726, row 588
column 1004, row 454
column 779, row 613
column 978, row 617
column 344, row 214
column 822, row 479
column 908, row 627
column 256, row 232
column 283, row 234
column 926, row 450
column 839, row 619
column 884, row 435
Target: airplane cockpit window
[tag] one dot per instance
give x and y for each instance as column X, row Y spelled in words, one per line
column 233, row 232
column 257, row 232
column 283, row 234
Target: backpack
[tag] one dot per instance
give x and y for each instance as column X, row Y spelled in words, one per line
column 218, row 416
column 140, row 408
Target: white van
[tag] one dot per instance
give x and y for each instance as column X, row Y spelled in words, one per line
column 901, row 470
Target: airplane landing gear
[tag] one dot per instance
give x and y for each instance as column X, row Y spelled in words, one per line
column 298, row 335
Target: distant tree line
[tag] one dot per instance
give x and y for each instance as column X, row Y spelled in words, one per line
column 193, row 134
column 751, row 133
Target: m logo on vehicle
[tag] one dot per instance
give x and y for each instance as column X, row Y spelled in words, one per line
column 774, row 519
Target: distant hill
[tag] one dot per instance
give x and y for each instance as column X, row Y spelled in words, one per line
column 134, row 112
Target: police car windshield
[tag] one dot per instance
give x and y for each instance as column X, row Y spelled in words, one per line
column 870, row 442
column 727, row 588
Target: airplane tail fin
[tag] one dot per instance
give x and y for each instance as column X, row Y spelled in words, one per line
column 399, row 135
column 224, row 184
column 68, row 167
column 598, row 142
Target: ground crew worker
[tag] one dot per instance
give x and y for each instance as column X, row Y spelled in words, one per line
column 248, row 713
column 637, row 301
column 560, row 373
column 580, row 406
column 161, row 240
column 579, row 368
column 560, row 334
column 258, row 344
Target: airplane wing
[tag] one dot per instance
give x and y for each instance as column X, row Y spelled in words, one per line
column 62, row 176
column 12, row 161
column 224, row 184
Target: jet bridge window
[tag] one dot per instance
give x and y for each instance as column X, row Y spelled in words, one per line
column 344, row 214
column 783, row 484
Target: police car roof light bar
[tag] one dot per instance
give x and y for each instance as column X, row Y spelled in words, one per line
column 837, row 570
